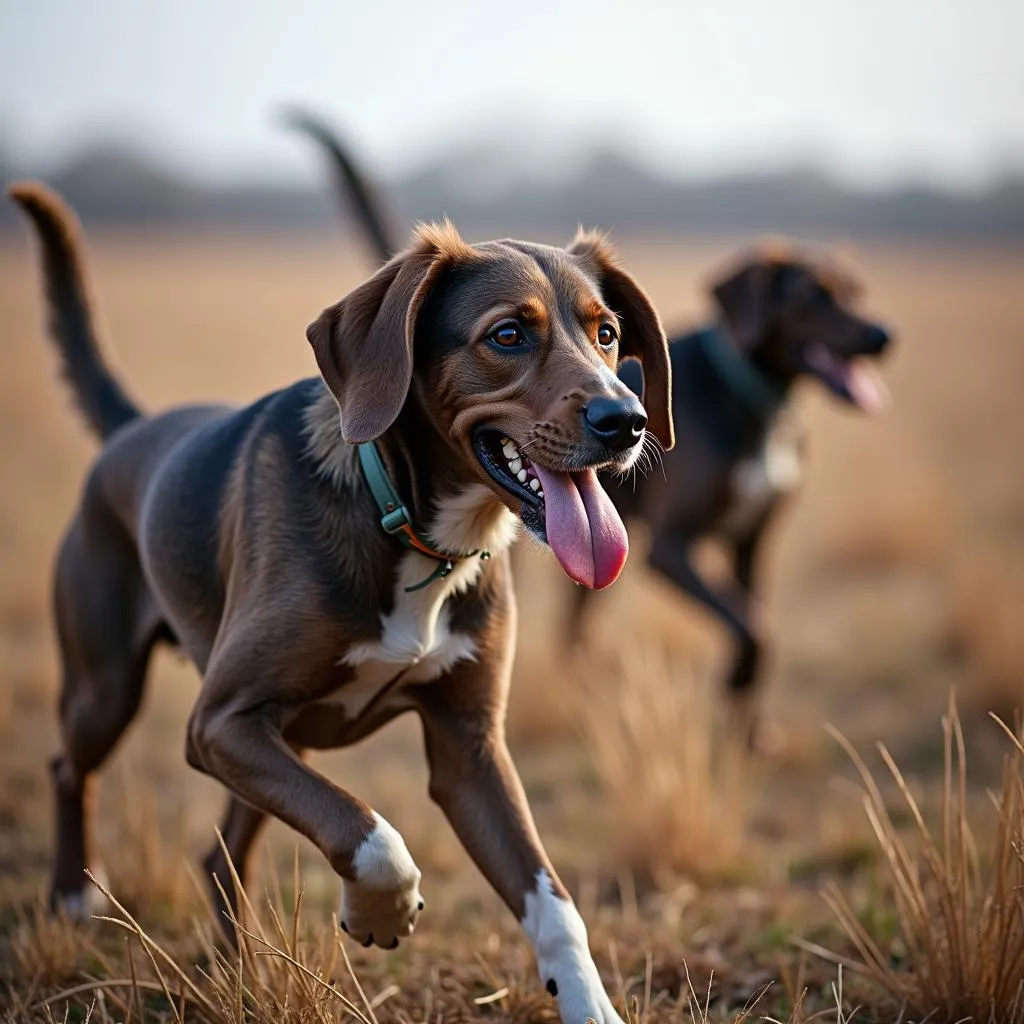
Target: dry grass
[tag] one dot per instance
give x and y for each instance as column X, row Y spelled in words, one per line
column 279, row 974
column 283, row 972
column 960, row 904
column 150, row 858
column 47, row 950
column 857, row 639
column 984, row 632
column 677, row 784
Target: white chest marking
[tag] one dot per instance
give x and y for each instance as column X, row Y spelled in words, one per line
column 756, row 482
column 416, row 636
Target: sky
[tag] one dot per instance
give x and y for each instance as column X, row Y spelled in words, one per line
column 876, row 91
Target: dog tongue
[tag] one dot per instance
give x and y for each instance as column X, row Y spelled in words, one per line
column 583, row 527
column 854, row 379
column 866, row 388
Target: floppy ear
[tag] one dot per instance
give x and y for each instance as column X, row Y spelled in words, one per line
column 643, row 337
column 744, row 299
column 363, row 344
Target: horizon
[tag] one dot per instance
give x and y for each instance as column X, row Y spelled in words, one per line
column 481, row 168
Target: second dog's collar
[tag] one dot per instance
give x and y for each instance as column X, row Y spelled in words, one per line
column 760, row 393
column 396, row 520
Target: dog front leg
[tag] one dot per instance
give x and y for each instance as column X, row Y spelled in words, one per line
column 473, row 780
column 748, row 662
column 671, row 557
column 241, row 744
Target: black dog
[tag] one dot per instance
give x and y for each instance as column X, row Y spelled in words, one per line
column 738, row 454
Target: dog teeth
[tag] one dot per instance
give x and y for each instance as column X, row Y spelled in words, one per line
column 540, row 494
column 515, row 465
column 534, row 484
column 521, row 476
column 509, row 450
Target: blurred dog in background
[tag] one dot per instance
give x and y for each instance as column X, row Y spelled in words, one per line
column 782, row 315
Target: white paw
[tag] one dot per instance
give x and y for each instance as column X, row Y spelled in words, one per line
column 559, row 940
column 84, row 903
column 380, row 906
column 579, row 991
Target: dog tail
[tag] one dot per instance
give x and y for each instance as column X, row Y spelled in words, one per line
column 69, row 315
column 353, row 185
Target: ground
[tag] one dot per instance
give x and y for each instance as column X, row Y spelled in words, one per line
column 896, row 574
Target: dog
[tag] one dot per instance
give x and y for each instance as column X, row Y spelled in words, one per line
column 336, row 554
column 781, row 316
column 740, row 455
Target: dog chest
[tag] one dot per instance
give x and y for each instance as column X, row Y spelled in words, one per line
column 416, row 644
column 758, row 482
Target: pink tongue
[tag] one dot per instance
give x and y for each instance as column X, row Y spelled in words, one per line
column 583, row 528
column 866, row 387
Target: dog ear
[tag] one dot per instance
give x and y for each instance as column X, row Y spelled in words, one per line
column 364, row 343
column 643, row 337
column 744, row 300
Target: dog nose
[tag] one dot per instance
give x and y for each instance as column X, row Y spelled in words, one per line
column 616, row 422
column 877, row 337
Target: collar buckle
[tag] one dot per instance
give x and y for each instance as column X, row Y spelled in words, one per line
column 395, row 520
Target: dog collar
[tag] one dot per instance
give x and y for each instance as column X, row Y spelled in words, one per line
column 761, row 394
column 395, row 519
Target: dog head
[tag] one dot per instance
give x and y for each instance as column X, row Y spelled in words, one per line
column 795, row 316
column 509, row 350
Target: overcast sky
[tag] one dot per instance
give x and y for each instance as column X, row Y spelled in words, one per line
column 878, row 90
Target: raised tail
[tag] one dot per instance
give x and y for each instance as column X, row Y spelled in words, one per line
column 352, row 182
column 69, row 315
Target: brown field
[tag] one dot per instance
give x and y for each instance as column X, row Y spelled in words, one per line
column 897, row 574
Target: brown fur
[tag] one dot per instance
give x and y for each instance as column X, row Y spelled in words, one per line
column 250, row 538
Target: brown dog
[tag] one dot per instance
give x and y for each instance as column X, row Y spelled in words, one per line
column 782, row 316
column 253, row 538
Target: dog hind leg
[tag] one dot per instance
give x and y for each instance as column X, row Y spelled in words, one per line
column 240, row 827
column 107, row 625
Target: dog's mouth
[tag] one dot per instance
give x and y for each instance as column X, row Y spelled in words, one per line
column 567, row 510
column 851, row 378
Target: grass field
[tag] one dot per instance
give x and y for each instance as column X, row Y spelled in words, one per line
column 897, row 574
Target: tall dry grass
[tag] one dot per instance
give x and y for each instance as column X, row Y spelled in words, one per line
column 677, row 783
column 151, row 854
column 960, row 912
column 283, row 972
column 276, row 975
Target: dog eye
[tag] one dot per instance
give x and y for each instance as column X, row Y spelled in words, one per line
column 507, row 334
column 606, row 336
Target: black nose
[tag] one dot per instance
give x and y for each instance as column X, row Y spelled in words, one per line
column 877, row 337
column 616, row 422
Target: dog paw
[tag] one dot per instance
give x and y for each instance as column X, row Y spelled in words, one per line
column 381, row 905
column 580, row 994
column 78, row 905
column 559, row 940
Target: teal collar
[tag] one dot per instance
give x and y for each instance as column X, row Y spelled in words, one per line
column 396, row 521
column 760, row 393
